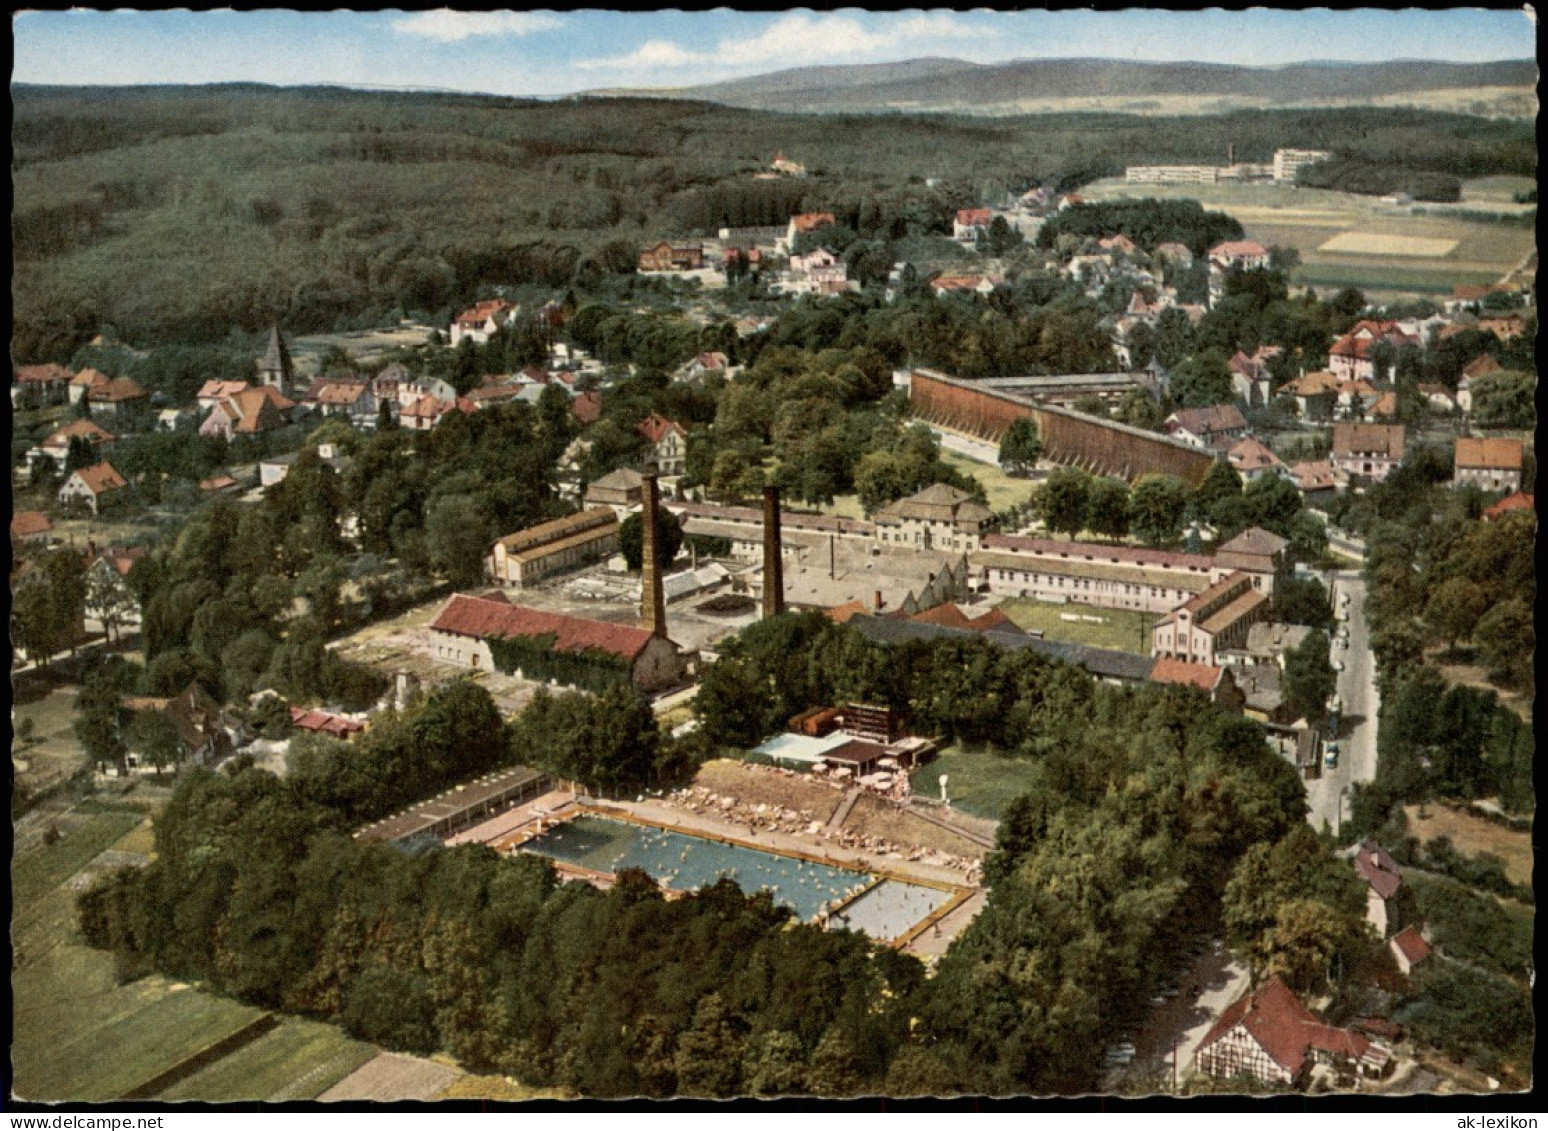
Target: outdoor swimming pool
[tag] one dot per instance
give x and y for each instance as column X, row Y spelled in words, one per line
column 687, row 862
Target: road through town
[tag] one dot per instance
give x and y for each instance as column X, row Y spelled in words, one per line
column 1327, row 796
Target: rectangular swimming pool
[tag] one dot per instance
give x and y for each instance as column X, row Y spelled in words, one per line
column 686, row 863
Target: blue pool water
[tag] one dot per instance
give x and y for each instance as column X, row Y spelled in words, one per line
column 688, row 862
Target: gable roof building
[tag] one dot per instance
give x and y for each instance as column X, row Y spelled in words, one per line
column 1206, row 427
column 1253, row 459
column 1517, row 501
column 91, row 485
column 540, row 551
column 1489, row 463
column 1383, row 886
column 940, row 517
column 462, row 630
column 1268, row 1034
column 1409, row 949
column 1370, row 451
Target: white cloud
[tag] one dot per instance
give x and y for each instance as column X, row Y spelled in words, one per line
column 445, row 26
column 799, row 39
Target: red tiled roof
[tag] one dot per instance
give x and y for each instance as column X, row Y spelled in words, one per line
column 1284, row 1027
column 1253, row 455
column 221, row 389
column 480, row 617
column 336, row 392
column 1202, row 676
column 587, row 408
column 1376, row 868
column 1381, row 438
column 1315, row 475
column 89, row 377
column 1209, row 419
column 1237, row 249
column 321, row 722
column 218, row 483
column 811, row 221
column 122, row 559
column 116, row 390
column 24, row 524
column 50, row 374
column 974, row 217
column 1491, row 453
column 101, row 478
column 949, row 616
column 1481, row 365
column 841, row 614
column 655, row 426
column 1412, row 945
column 86, row 429
column 1516, row 501
column 479, row 313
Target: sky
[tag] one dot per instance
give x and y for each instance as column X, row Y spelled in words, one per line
column 546, row 53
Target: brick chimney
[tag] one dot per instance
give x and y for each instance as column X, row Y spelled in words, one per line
column 652, row 595
column 773, row 560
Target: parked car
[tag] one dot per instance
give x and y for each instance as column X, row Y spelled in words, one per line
column 1330, row 756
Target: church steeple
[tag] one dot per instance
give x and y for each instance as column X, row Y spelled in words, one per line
column 274, row 368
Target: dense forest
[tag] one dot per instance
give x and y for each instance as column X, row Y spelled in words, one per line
column 238, row 205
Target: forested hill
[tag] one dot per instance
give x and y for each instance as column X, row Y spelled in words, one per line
column 180, row 213
column 952, row 84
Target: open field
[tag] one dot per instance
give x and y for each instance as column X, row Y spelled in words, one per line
column 1346, row 239
column 393, row 1076
column 500, row 1088
column 1495, row 190
column 364, row 346
column 80, row 1035
column 297, row 1061
column 981, row 783
column 1472, row 835
column 1374, row 243
column 1122, row 629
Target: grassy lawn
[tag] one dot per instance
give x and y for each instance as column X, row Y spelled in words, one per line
column 1428, row 280
column 845, row 506
column 1003, row 490
column 1487, row 931
column 1122, row 629
column 981, row 782
column 297, row 1061
column 35, row 873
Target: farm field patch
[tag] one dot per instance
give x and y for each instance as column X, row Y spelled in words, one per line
column 1374, row 243
column 1349, row 240
column 297, row 1061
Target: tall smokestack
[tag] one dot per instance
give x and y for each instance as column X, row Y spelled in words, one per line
column 652, row 595
column 773, row 560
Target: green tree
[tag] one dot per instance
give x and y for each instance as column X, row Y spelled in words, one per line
column 1138, row 409
column 1020, row 447
column 1062, row 500
column 1156, row 507
column 1454, row 609
column 1107, row 508
column 709, row 1051
column 1507, row 639
column 1221, row 482
column 1303, row 600
column 154, row 738
column 1204, row 379
column 631, row 538
column 459, row 537
column 1309, row 678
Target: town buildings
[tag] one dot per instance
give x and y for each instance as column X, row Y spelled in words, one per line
column 92, row 487
column 668, row 443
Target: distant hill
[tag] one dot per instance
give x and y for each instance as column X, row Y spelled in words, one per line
column 1028, row 84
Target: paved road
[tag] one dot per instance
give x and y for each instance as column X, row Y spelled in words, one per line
column 1357, row 688
column 969, row 446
